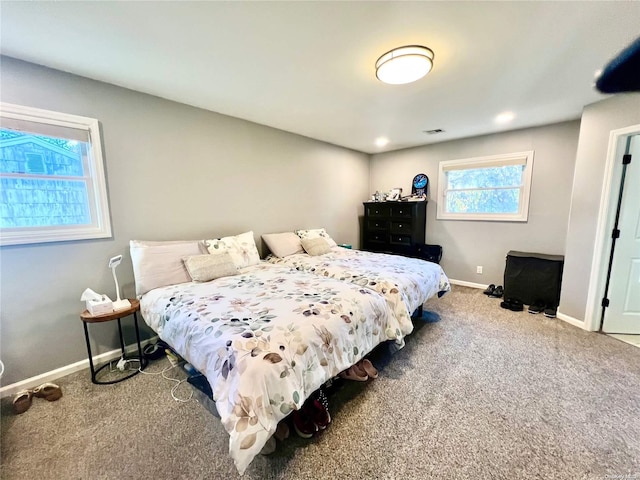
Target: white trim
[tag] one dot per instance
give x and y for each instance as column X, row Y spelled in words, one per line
column 572, row 321
column 600, row 259
column 32, row 382
column 463, row 283
column 517, row 158
column 95, row 179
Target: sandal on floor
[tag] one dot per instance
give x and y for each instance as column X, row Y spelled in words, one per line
column 368, row 368
column 22, row 402
column 48, row 391
column 282, row 431
column 497, row 292
column 354, row 373
column 489, row 289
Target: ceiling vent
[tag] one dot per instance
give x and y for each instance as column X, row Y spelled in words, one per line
column 434, row 131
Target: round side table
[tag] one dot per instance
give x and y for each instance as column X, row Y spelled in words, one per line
column 87, row 318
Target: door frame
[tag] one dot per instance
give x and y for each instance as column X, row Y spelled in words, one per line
column 606, row 216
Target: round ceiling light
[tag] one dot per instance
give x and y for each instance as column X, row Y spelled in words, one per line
column 404, row 64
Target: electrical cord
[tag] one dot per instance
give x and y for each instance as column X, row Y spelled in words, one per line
column 176, row 386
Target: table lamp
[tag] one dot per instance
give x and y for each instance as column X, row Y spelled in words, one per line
column 118, row 304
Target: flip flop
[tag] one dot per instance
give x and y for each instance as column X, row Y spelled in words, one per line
column 22, row 402
column 354, row 373
column 48, row 391
column 368, row 368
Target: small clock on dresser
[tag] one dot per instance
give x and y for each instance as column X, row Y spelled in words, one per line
column 419, row 185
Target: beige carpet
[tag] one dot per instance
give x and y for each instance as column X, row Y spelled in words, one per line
column 481, row 393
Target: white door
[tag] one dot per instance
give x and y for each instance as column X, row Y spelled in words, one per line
column 623, row 313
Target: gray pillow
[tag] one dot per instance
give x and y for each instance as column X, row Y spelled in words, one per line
column 315, row 246
column 203, row 268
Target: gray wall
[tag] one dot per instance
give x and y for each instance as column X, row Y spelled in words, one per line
column 598, row 120
column 467, row 244
column 173, row 172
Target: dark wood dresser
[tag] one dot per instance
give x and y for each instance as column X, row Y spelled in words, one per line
column 394, row 227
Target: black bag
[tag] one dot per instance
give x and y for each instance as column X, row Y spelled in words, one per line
column 530, row 277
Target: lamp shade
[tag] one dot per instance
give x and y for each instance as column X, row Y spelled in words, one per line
column 404, row 64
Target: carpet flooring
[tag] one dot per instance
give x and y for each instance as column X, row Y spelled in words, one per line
column 478, row 392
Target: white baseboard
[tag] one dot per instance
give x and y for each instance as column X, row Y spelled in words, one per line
column 571, row 320
column 462, row 283
column 52, row 375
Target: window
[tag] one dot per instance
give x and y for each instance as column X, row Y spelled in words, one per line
column 485, row 188
column 52, row 185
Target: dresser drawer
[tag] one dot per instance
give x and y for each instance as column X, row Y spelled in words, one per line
column 381, row 210
column 397, row 239
column 403, row 210
column 402, row 227
column 377, row 237
column 377, row 224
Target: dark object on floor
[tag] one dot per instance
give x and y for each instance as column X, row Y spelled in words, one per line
column 622, row 74
column 427, row 317
column 533, row 276
column 537, row 307
column 489, row 289
column 303, row 422
column 154, row 351
column 200, row 382
column 430, row 253
column 550, row 312
column 497, row 292
column 512, row 304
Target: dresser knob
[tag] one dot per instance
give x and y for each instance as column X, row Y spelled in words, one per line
column 400, row 226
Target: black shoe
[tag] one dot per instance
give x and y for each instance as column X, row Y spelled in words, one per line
column 489, row 289
column 537, row 307
column 497, row 292
column 512, row 304
column 550, row 312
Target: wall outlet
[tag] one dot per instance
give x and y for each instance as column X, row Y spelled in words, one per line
column 479, row 269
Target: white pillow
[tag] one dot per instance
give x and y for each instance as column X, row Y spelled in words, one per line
column 315, row 246
column 315, row 233
column 242, row 249
column 157, row 264
column 283, row 244
column 203, row 268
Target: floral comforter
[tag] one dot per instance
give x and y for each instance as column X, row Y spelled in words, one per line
column 406, row 283
column 266, row 339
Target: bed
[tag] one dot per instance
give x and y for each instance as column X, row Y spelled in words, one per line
column 265, row 336
column 406, row 283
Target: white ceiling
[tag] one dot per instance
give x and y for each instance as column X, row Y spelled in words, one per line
column 308, row 67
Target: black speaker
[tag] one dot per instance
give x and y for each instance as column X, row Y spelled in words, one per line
column 430, row 253
column 530, row 277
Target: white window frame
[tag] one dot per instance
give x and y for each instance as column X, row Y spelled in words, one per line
column 100, row 226
column 518, row 158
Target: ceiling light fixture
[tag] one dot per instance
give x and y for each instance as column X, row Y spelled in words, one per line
column 404, row 64
column 381, row 141
column 504, row 117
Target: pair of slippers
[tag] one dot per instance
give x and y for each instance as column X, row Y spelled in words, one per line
column 360, row 372
column 493, row 291
column 23, row 399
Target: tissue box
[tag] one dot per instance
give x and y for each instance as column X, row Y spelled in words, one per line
column 99, row 307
